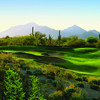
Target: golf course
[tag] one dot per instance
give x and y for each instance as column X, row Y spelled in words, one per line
column 79, row 60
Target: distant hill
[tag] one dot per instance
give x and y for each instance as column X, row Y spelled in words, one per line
column 26, row 29
column 74, row 30
column 93, row 33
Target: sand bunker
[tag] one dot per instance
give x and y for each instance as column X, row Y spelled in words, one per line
column 54, row 54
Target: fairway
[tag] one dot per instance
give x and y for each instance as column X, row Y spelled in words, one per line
column 79, row 60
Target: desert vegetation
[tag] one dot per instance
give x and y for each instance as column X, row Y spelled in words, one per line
column 35, row 67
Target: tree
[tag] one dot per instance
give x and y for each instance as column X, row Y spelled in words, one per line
column 13, row 86
column 92, row 39
column 77, row 43
column 59, row 38
column 50, row 40
column 39, row 36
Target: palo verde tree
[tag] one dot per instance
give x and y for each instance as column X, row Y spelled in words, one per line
column 13, row 86
column 39, row 36
column 59, row 38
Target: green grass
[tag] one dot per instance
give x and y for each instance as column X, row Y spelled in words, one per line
column 80, row 60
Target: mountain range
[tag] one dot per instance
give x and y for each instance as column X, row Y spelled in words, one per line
column 26, row 29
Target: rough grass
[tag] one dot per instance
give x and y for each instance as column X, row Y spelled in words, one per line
column 80, row 60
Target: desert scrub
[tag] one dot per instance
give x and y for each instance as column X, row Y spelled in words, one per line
column 80, row 84
column 74, row 93
column 93, row 80
column 13, row 86
column 60, row 81
column 69, row 90
column 50, row 72
column 37, row 72
column 95, row 87
column 56, row 95
column 78, row 96
column 69, row 75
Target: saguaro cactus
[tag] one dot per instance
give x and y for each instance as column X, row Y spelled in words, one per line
column 59, row 38
column 32, row 30
column 99, row 36
column 50, row 39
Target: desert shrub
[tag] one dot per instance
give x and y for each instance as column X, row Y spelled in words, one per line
column 96, row 98
column 42, row 80
column 7, row 61
column 91, row 39
column 50, row 72
column 74, row 93
column 25, row 67
column 69, row 75
column 60, row 82
column 77, row 96
column 35, row 89
column 85, row 79
column 68, row 91
column 90, row 44
column 57, row 95
column 93, row 80
column 98, row 44
column 2, row 76
column 3, row 42
column 95, row 87
column 50, row 75
column 37, row 72
column 29, row 72
column 13, row 86
column 79, row 79
column 80, row 84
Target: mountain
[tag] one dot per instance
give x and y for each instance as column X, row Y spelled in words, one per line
column 26, row 29
column 95, row 32
column 89, row 33
column 74, row 30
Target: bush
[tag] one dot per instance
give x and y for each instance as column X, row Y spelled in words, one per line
column 91, row 39
column 79, row 79
column 76, row 43
column 85, row 79
column 94, row 87
column 73, row 93
column 35, row 89
column 57, row 95
column 77, row 96
column 3, row 42
column 98, row 44
column 59, row 82
column 69, row 75
column 13, row 86
column 80, row 84
column 37, row 72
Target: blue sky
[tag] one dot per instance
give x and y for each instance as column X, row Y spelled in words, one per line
column 57, row 14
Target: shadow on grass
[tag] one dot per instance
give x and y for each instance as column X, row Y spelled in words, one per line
column 59, row 62
column 43, row 59
column 82, row 68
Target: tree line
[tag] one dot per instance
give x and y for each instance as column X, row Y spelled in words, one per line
column 39, row 39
